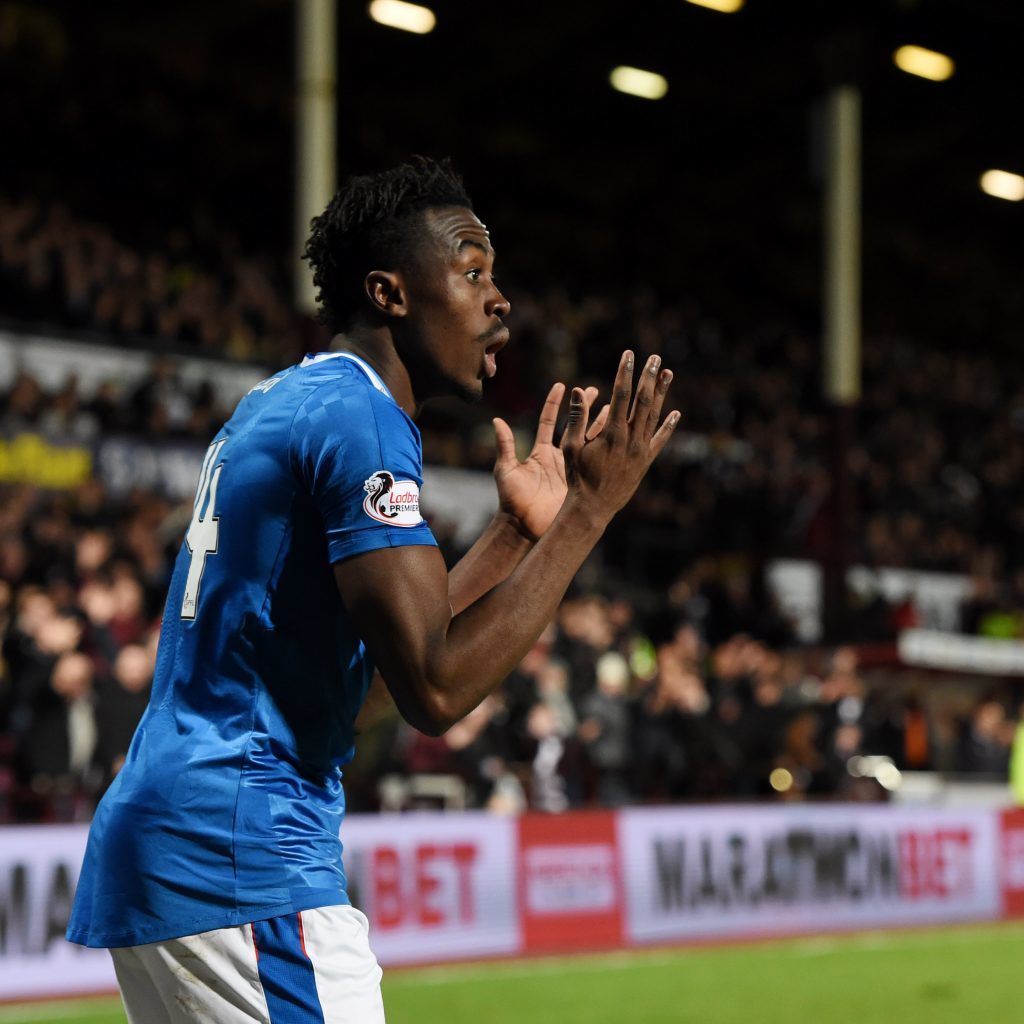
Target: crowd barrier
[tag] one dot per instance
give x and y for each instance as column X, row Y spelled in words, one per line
column 440, row 887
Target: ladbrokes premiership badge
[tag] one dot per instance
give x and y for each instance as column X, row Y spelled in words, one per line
column 391, row 501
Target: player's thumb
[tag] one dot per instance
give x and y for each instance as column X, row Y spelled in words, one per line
column 506, row 441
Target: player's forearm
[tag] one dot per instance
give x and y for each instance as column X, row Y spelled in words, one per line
column 498, row 550
column 485, row 642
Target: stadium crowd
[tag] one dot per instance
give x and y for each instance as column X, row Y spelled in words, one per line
column 599, row 715
column 597, row 712
column 610, row 706
column 195, row 289
column 936, row 462
column 668, row 675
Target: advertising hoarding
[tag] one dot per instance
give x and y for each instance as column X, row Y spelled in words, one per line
column 439, row 887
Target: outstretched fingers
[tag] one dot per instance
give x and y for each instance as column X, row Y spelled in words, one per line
column 575, row 434
column 640, row 414
column 549, row 414
column 660, row 391
column 599, row 421
column 663, row 433
column 622, row 390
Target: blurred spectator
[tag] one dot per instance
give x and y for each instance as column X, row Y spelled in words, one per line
column 665, row 734
column 547, row 786
column 552, row 689
column 605, row 730
column 986, row 741
column 122, row 700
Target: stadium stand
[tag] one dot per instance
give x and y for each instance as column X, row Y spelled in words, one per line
column 195, row 291
column 693, row 690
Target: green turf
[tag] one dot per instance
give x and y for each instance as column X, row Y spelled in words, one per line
column 950, row 976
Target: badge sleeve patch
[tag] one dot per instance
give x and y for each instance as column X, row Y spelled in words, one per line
column 391, row 501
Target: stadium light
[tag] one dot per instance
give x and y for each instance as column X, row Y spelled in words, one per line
column 877, row 767
column 1003, row 185
column 916, row 60
column 407, row 17
column 724, row 6
column 646, row 84
column 889, row 777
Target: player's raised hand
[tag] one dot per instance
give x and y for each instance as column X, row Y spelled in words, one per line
column 533, row 491
column 604, row 467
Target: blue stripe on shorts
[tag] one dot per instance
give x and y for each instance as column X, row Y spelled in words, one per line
column 286, row 972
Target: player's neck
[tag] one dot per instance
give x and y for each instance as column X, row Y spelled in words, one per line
column 378, row 351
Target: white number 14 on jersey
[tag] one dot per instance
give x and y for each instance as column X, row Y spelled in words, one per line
column 204, row 529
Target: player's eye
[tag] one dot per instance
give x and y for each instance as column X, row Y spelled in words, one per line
column 474, row 274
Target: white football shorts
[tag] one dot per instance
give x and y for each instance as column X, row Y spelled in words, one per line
column 314, row 967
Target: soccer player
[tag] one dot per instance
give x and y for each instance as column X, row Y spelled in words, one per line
column 213, row 869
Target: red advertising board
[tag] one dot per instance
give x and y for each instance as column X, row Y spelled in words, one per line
column 570, row 886
column 1011, row 862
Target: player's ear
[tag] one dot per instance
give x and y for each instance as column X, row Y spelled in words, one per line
column 386, row 292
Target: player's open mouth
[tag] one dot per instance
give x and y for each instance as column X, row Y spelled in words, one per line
column 490, row 353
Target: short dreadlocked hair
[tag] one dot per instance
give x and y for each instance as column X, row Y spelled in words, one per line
column 374, row 223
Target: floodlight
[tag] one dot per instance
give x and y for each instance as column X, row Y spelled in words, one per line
column 916, row 60
column 724, row 6
column 407, row 17
column 1003, row 185
column 646, row 84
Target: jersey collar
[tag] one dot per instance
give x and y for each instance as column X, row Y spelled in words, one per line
column 368, row 371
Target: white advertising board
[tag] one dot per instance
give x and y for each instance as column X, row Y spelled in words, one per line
column 38, row 873
column 434, row 887
column 53, row 360
column 743, row 871
column 797, row 587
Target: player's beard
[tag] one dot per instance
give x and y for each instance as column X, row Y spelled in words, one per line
column 470, row 393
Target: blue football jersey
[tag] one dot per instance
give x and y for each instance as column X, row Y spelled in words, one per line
column 229, row 804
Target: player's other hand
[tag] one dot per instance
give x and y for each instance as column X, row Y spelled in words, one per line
column 532, row 492
column 604, row 467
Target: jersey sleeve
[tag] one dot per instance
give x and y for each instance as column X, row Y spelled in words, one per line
column 360, row 460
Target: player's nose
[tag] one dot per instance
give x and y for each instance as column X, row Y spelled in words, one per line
column 497, row 304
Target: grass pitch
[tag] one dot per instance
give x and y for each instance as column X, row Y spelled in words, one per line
column 939, row 976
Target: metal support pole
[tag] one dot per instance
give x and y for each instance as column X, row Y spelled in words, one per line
column 842, row 247
column 315, row 134
column 842, row 332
